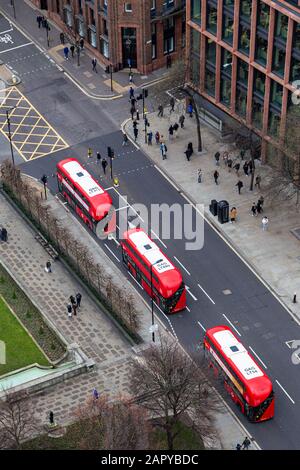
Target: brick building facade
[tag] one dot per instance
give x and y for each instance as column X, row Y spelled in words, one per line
column 141, row 32
column 244, row 62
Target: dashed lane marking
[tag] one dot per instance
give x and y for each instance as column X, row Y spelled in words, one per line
column 230, row 323
column 31, row 135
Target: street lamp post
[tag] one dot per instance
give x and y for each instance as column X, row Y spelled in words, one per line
column 12, row 3
column 9, row 136
column 152, row 309
column 111, row 79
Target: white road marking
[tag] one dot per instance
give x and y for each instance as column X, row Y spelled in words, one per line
column 168, row 319
column 258, row 357
column 189, row 292
column 158, row 238
column 112, row 252
column 141, row 287
column 206, row 294
column 285, row 392
column 204, row 329
column 123, row 207
column 17, row 47
column 182, row 265
column 188, row 309
column 231, row 324
column 115, row 240
column 291, row 342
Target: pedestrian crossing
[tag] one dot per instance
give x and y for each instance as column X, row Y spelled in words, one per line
column 31, row 135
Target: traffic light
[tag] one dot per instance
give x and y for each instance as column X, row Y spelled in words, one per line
column 109, row 149
column 112, row 153
column 145, row 91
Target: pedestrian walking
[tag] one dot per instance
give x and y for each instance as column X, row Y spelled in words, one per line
column 62, row 38
column 265, row 223
column 238, row 447
column 233, row 215
column 157, row 137
column 246, row 443
column 130, row 78
column 216, row 176
column 225, row 158
column 39, row 20
column 163, row 149
column 48, row 268
column 132, row 111
column 237, row 168
column 188, row 154
column 66, row 52
column 172, row 104
column 251, row 166
column 181, row 121
column 125, row 139
column 81, row 43
column 190, row 110
column 254, row 209
column 150, row 137
column 94, row 64
column 72, row 49
column 199, row 175
column 135, row 133
column 95, row 394
column 239, row 185
column 175, row 129
column 74, row 307
column 137, row 115
column 134, row 124
column 98, row 156
column 104, row 165
column 44, row 22
column 257, row 181
column 171, row 132
column 229, row 164
column 131, row 93
column 133, row 101
column 246, row 168
column 78, row 299
column 69, row 310
column 259, row 205
column 217, row 158
column 190, row 147
column 90, row 152
column 160, row 111
column 169, row 61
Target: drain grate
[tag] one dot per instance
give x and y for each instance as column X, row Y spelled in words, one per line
column 296, row 232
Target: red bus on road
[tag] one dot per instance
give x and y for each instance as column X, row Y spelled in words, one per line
column 248, row 385
column 139, row 254
column 82, row 192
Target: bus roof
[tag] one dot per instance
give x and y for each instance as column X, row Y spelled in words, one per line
column 256, row 381
column 170, row 277
column 99, row 200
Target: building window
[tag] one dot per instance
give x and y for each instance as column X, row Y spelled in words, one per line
column 169, row 35
column 257, row 112
column 263, row 15
column 241, row 101
column 211, row 18
column 226, row 68
column 276, row 94
column 244, row 39
column 153, row 40
column 211, row 52
column 295, row 60
column 226, row 63
column 210, row 81
column 210, row 67
column 242, row 72
column 196, row 11
column 195, row 41
column 259, row 83
column 128, row 7
column 246, row 8
column 68, row 16
column 281, row 26
column 227, row 28
column 278, row 61
column 261, row 49
column 228, row 3
column 104, row 48
column 80, row 26
column 92, row 37
column 274, row 123
column 225, row 92
column 195, row 58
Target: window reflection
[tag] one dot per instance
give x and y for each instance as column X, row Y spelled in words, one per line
column 211, row 22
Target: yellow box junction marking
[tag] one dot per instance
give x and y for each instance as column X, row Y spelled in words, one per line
column 32, row 136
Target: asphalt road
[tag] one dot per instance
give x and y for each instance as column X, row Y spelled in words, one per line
column 258, row 317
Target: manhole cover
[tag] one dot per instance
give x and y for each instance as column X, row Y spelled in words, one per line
column 227, row 292
column 296, row 232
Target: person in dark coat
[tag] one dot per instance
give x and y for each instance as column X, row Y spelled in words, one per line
column 217, row 158
column 190, row 148
column 62, row 38
column 188, row 154
column 239, row 184
column 78, row 299
column 216, row 176
column 104, row 164
column 135, row 132
column 246, row 168
column 181, row 121
column 39, row 20
column 171, row 132
column 172, row 104
column 72, row 49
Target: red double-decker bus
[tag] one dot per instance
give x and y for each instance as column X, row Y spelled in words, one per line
column 82, row 192
column 145, row 260
column 249, row 387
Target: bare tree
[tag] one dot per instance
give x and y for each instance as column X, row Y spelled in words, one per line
column 168, row 383
column 112, row 425
column 284, row 183
column 17, row 422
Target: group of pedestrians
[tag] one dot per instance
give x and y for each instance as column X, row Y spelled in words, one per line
column 42, row 22
column 71, row 49
column 257, row 208
column 245, row 444
column 74, row 304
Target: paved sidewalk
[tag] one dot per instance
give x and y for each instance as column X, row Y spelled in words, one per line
column 97, row 85
column 274, row 253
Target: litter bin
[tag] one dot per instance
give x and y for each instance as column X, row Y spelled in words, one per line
column 223, row 212
column 213, row 207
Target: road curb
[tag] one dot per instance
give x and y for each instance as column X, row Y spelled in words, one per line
column 210, row 220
